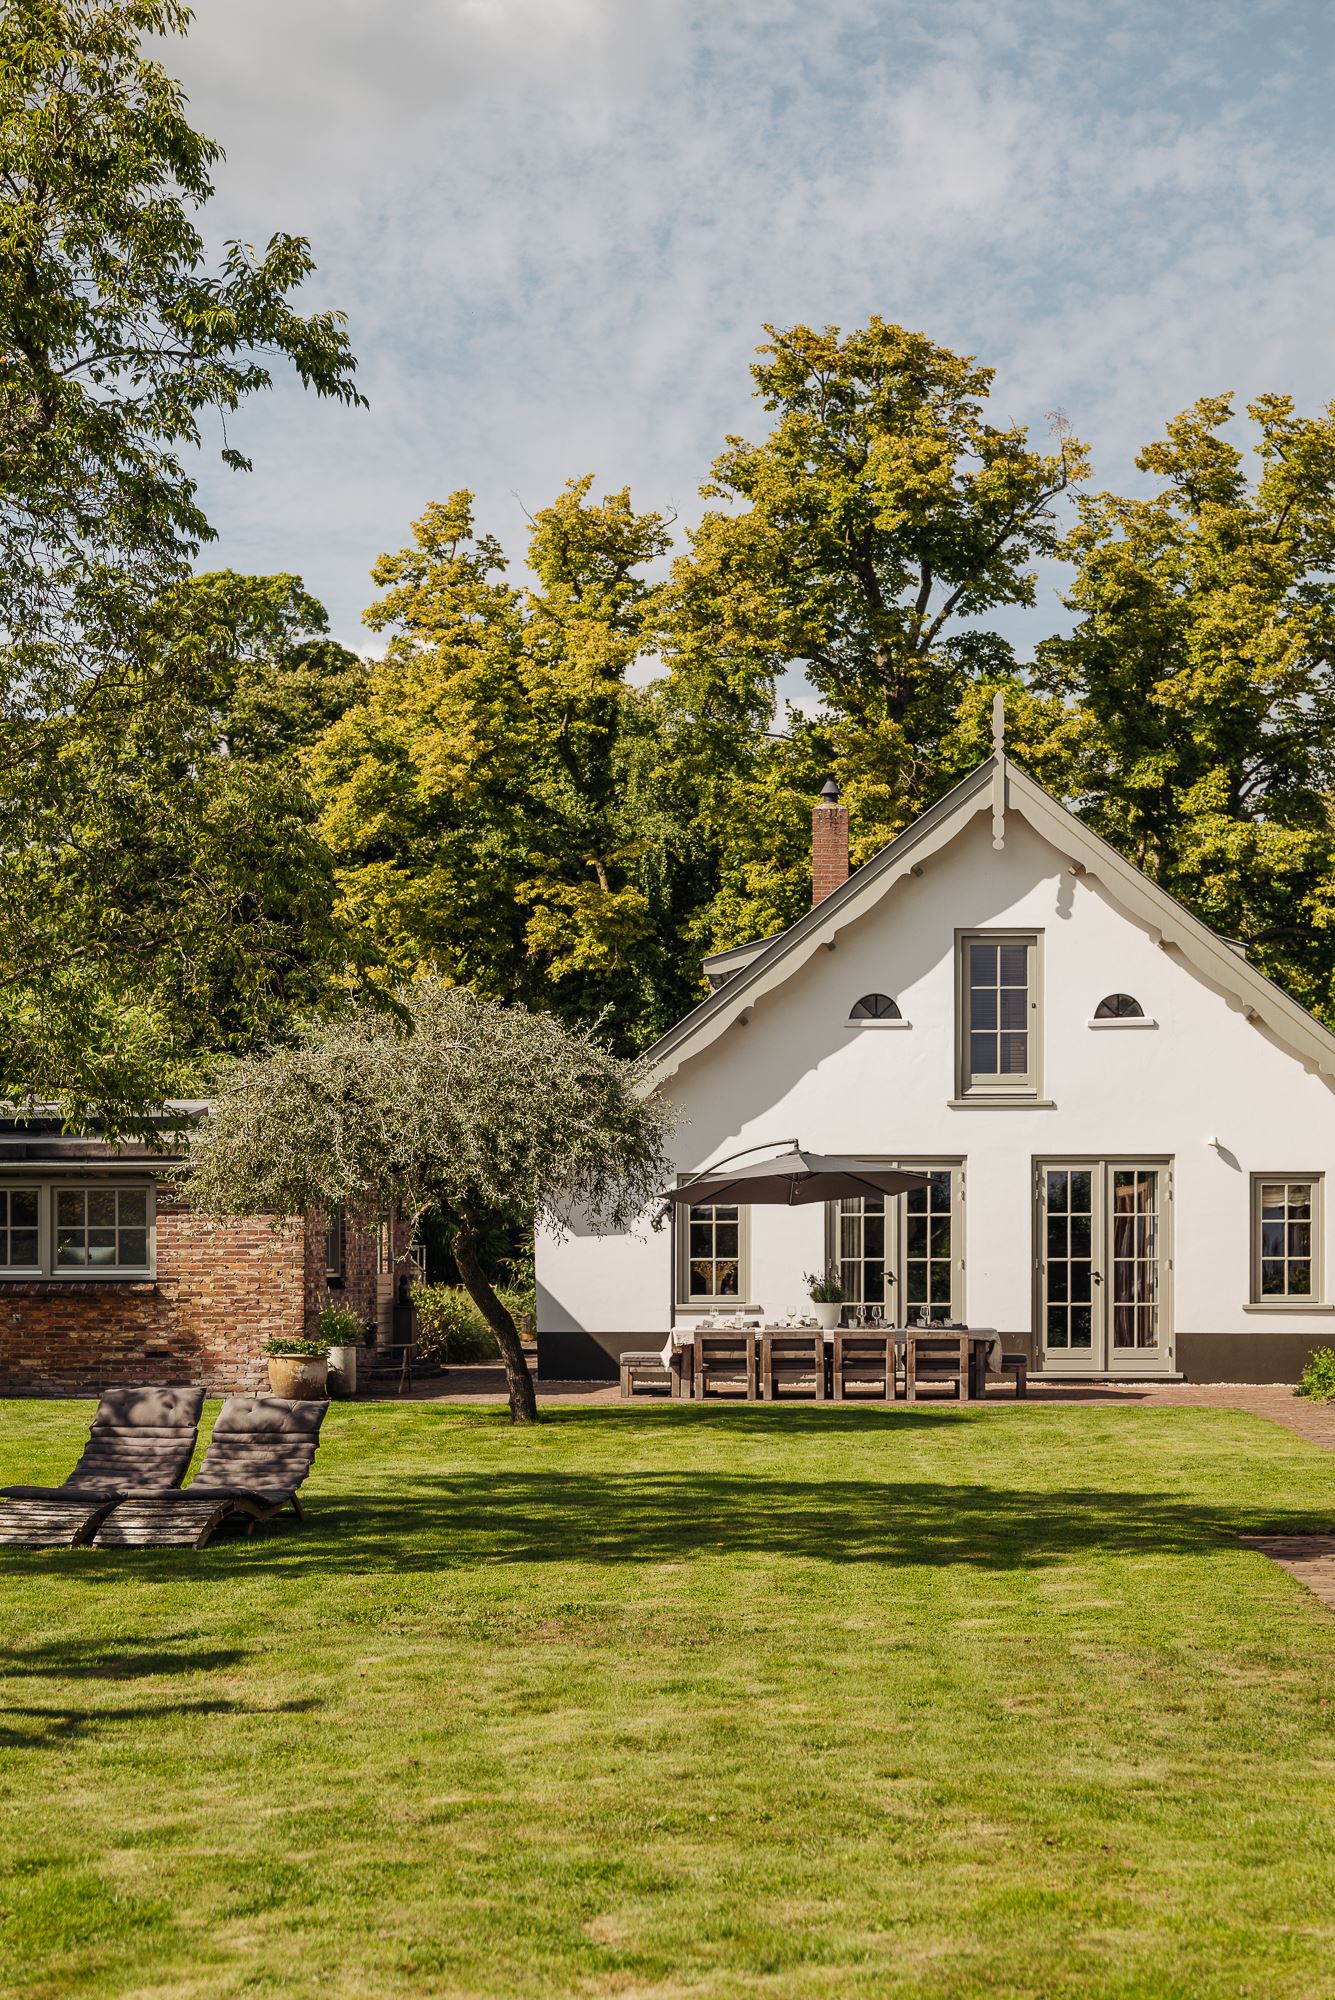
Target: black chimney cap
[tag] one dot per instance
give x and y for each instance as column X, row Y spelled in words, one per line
column 829, row 792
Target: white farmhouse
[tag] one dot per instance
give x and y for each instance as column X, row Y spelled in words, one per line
column 1127, row 1128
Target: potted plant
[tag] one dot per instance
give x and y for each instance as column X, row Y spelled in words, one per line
column 342, row 1332
column 297, row 1368
column 827, row 1298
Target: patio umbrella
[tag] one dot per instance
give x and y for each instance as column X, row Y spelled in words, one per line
column 796, row 1177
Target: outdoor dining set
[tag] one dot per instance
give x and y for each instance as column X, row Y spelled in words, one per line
column 842, row 1364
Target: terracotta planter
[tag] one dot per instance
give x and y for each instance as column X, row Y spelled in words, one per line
column 300, row 1377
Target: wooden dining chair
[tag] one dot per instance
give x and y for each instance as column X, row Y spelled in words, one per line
column 936, row 1360
column 792, row 1364
column 863, row 1363
column 725, row 1365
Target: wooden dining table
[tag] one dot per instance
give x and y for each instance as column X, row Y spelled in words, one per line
column 984, row 1348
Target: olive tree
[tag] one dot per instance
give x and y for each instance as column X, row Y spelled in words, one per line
column 449, row 1103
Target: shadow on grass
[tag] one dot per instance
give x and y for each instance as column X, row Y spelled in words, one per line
column 522, row 1517
column 65, row 1724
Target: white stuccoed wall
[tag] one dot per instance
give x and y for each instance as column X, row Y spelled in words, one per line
column 796, row 1071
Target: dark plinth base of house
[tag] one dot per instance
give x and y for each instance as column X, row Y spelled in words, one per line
column 575, row 1356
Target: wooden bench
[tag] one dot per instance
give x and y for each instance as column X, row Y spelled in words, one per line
column 1018, row 1366
column 643, row 1372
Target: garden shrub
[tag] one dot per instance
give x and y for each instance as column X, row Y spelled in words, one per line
column 451, row 1329
column 1318, row 1377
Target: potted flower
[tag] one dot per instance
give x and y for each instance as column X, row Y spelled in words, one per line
column 297, row 1368
column 827, row 1298
column 340, row 1329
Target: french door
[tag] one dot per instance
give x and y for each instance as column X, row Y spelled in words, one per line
column 903, row 1256
column 1103, row 1266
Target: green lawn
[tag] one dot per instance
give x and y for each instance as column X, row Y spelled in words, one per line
column 661, row 1702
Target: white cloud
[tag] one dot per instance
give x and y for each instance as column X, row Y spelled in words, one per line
column 558, row 225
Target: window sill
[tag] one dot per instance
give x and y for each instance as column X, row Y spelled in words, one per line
column 1288, row 1306
column 731, row 1307
column 860, row 1026
column 1000, row 1103
column 43, row 1281
column 1126, row 1021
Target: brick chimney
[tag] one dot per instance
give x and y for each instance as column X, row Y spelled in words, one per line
column 829, row 843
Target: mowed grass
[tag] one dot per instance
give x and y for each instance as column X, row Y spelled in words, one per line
column 666, row 1702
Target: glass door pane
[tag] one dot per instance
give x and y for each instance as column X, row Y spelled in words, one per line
column 1134, row 1226
column 1067, row 1260
column 928, row 1262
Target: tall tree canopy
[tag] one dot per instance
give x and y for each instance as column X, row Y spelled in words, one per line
column 165, row 892
column 150, row 873
column 1198, row 688
column 502, row 808
column 880, row 515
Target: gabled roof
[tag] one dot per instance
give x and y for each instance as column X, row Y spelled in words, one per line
column 1001, row 786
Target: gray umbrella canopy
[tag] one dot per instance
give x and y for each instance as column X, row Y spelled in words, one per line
column 796, row 1177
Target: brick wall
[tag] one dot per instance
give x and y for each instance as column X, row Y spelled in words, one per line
column 222, row 1289
column 358, row 1286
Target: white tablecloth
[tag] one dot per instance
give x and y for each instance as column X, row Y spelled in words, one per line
column 684, row 1336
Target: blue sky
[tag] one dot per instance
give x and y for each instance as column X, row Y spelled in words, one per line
column 558, row 226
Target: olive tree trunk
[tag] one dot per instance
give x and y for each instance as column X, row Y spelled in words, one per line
column 523, row 1401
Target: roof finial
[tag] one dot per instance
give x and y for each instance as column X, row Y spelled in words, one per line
column 999, row 769
column 829, row 792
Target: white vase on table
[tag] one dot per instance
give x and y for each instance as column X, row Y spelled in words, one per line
column 827, row 1315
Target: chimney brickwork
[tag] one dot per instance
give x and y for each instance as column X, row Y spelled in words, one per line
column 829, row 843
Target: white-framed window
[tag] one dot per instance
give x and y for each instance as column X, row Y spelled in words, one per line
column 68, row 1228
column 998, row 1014
column 712, row 1245
column 1286, row 1239
column 903, row 1254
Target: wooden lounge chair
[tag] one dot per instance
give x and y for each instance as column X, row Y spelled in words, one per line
column 260, row 1452
column 725, row 1365
column 644, row 1371
column 863, row 1364
column 141, row 1442
column 936, row 1359
column 792, row 1364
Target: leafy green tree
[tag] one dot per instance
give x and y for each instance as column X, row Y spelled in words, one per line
column 116, row 338
column 880, row 515
column 503, row 807
column 1197, row 690
column 447, row 1106
column 167, row 893
column 125, row 921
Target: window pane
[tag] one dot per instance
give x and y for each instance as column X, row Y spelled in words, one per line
column 1272, row 1278
column 702, row 1238
column 983, row 1013
column 982, row 965
column 1014, row 1008
column 1300, row 1280
column 702, row 1275
column 69, row 1206
column 1057, row 1281
column 23, row 1208
column 1014, row 1055
column 1300, row 1198
column 725, row 1240
column 1058, row 1239
column 1081, row 1325
column 102, row 1253
column 1082, row 1236
column 1272, row 1239
column 23, row 1248
column 101, row 1208
column 101, row 1239
column 982, row 1055
column 1081, row 1191
column 1056, row 1326
column 1058, row 1191
column 133, row 1208
column 134, row 1246
column 726, row 1280
column 1014, row 965
column 873, row 1236
column 941, row 1236
column 916, row 1236
column 723, row 1211
column 69, row 1249
column 1272, row 1199
column 1300, row 1239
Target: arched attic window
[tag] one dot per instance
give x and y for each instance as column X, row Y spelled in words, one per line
column 1119, row 1007
column 876, row 1007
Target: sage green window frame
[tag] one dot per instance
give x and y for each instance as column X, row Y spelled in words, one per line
column 1287, row 1301
column 49, row 1189
column 709, row 1302
column 22, row 1227
column 899, row 1249
column 987, row 1088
